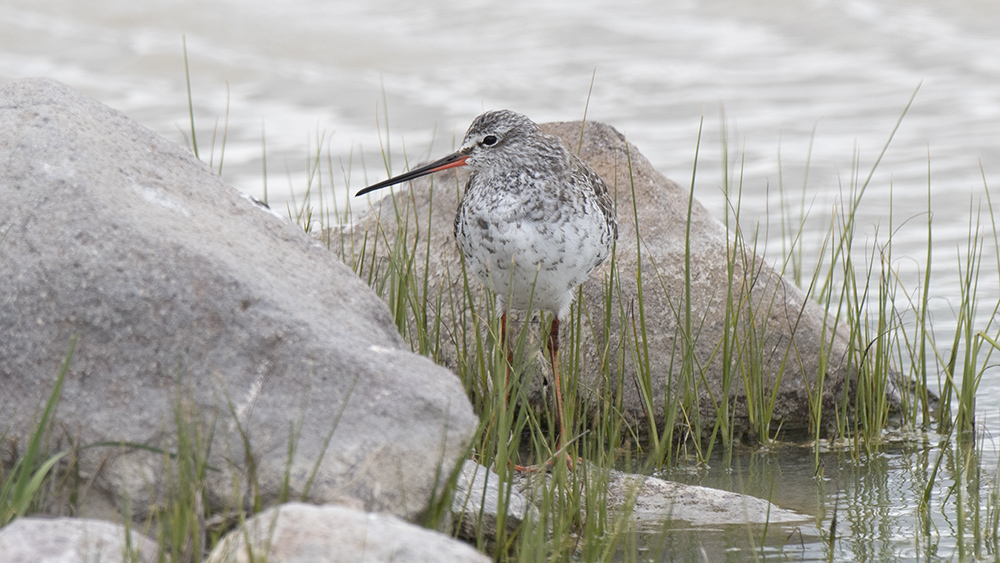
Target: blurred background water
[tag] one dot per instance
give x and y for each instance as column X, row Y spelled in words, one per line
column 789, row 75
column 821, row 82
column 781, row 69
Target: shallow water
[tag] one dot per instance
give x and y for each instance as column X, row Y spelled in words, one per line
column 789, row 75
column 876, row 501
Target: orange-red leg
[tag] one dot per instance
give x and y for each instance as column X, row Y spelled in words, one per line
column 553, row 345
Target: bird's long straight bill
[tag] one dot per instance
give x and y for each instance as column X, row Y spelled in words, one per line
column 450, row 161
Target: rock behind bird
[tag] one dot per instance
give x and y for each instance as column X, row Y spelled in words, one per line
column 790, row 340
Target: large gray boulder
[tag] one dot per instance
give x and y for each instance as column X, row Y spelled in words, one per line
column 198, row 314
column 776, row 337
column 302, row 533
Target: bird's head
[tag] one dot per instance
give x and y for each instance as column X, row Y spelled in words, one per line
column 495, row 140
column 498, row 138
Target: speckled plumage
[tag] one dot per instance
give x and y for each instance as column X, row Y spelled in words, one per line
column 534, row 221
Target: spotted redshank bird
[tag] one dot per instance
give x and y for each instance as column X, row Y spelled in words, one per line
column 534, row 221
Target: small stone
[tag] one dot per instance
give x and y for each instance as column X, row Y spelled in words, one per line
column 73, row 540
column 303, row 533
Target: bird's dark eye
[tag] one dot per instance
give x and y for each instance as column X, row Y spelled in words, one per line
column 490, row 140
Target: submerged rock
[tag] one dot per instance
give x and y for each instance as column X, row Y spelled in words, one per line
column 202, row 322
column 653, row 501
column 655, row 504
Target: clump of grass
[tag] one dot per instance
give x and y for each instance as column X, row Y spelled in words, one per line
column 20, row 487
column 181, row 521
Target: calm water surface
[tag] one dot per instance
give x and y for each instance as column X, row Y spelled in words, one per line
column 788, row 75
column 875, row 499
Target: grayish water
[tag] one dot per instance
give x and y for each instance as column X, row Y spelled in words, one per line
column 874, row 499
column 834, row 74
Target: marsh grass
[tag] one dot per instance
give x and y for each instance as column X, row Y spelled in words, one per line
column 893, row 348
column 21, row 486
